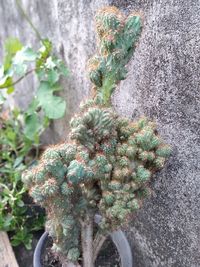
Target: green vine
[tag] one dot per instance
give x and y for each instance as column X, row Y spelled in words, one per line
column 18, row 3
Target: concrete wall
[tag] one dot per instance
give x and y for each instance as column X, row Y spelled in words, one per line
column 163, row 83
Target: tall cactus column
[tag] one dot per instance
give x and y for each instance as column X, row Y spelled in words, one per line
column 117, row 37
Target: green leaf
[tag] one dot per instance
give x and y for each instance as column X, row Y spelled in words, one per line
column 2, row 99
column 48, row 45
column 53, row 76
column 46, row 122
column 56, row 87
column 20, row 203
column 42, row 50
column 33, row 106
column 53, row 106
column 28, row 244
column 41, row 73
column 50, row 64
column 63, row 69
column 18, row 161
column 45, row 50
column 7, row 220
column 16, row 112
column 22, row 236
column 3, row 80
column 44, row 88
column 11, row 135
column 43, row 54
column 20, row 68
column 10, row 90
column 26, row 54
column 16, row 242
column 6, row 83
column 12, row 45
column 32, row 126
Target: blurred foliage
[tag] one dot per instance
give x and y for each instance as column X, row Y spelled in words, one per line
column 16, row 153
column 20, row 131
column 21, row 61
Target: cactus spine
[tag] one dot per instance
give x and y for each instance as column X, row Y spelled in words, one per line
column 106, row 165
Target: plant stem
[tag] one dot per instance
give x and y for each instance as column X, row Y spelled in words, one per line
column 97, row 245
column 66, row 263
column 28, row 20
column 87, row 242
column 70, row 264
column 17, row 81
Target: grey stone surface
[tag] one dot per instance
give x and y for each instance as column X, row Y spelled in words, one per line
column 163, row 83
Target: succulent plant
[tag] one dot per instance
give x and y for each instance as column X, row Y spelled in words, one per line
column 108, row 161
column 117, row 37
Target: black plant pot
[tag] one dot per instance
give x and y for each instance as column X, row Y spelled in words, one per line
column 118, row 238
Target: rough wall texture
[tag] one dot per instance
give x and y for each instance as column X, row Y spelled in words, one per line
column 163, row 83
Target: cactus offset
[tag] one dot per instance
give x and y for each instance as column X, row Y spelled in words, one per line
column 117, row 39
column 106, row 165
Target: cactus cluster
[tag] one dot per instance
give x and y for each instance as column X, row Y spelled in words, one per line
column 104, row 168
column 106, row 165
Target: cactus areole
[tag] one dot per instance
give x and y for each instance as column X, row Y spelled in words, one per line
column 106, row 164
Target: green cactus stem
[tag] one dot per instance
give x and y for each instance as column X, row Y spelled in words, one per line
column 117, row 38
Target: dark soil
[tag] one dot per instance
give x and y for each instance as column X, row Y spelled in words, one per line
column 108, row 256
